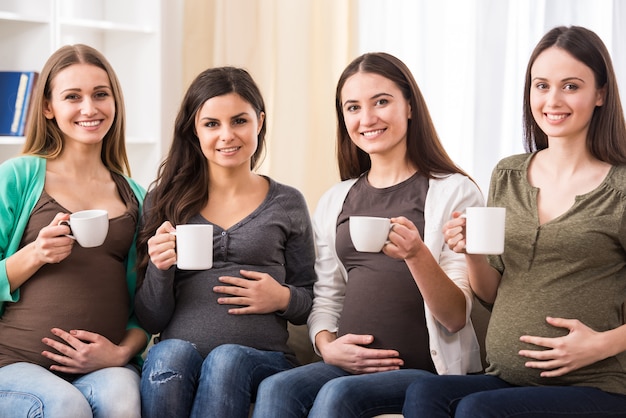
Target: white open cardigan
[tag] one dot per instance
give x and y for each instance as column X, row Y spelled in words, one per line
column 452, row 353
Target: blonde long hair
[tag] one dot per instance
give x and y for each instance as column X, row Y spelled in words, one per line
column 45, row 139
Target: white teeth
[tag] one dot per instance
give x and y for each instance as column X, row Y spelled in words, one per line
column 373, row 133
column 229, row 149
column 89, row 124
column 555, row 117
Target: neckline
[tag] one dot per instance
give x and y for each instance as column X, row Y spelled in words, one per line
column 251, row 215
column 577, row 198
column 393, row 186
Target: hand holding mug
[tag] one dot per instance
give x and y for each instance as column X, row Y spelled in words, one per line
column 454, row 232
column 480, row 230
column 162, row 247
column 52, row 245
column 405, row 240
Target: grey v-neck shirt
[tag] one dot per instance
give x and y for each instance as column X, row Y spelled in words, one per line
column 277, row 239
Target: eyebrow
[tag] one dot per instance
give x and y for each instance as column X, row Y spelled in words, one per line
column 376, row 96
column 238, row 115
column 73, row 89
column 563, row 80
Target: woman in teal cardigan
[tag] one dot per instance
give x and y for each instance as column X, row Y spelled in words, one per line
column 69, row 341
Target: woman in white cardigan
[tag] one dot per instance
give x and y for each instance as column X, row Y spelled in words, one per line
column 381, row 320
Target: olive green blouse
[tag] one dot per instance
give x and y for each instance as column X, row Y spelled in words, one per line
column 573, row 266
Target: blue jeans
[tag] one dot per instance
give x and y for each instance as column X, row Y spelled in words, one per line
column 29, row 390
column 322, row 390
column 177, row 382
column 489, row 396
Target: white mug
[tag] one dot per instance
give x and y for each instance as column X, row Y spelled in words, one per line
column 369, row 233
column 194, row 246
column 89, row 227
column 484, row 230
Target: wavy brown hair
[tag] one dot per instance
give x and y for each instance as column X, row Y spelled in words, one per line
column 606, row 138
column 45, row 139
column 424, row 148
column 181, row 189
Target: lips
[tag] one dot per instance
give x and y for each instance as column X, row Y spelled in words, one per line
column 89, row 123
column 556, row 118
column 228, row 150
column 370, row 134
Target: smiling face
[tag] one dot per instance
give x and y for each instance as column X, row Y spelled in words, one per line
column 82, row 103
column 228, row 128
column 563, row 94
column 376, row 114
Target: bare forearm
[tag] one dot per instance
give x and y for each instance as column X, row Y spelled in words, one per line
column 134, row 341
column 443, row 297
column 483, row 278
column 22, row 265
column 323, row 338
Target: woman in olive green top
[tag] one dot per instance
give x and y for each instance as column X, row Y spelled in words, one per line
column 556, row 343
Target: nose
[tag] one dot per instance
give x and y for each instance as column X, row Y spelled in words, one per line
column 227, row 133
column 88, row 107
column 368, row 116
column 553, row 97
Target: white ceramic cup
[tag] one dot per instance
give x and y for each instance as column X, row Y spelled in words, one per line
column 484, row 230
column 369, row 233
column 89, row 227
column 194, row 246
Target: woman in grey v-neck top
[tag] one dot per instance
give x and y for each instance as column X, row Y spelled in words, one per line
column 221, row 330
column 274, row 239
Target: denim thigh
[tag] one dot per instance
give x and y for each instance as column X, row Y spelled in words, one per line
column 112, row 392
column 291, row 393
column 26, row 390
column 229, row 379
column 365, row 395
column 169, row 379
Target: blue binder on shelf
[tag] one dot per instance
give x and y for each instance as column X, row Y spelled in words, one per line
column 16, row 89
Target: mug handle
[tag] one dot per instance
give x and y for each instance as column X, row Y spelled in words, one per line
column 66, row 222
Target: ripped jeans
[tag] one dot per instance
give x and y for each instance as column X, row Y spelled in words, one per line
column 177, row 382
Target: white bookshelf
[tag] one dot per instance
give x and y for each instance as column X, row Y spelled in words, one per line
column 141, row 39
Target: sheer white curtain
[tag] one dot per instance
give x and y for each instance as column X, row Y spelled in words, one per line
column 469, row 58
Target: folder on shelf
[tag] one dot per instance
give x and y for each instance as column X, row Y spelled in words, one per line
column 16, row 89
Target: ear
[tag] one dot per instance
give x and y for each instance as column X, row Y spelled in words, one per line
column 409, row 111
column 47, row 110
column 601, row 95
column 261, row 120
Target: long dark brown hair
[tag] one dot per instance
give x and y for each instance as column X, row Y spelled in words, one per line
column 424, row 148
column 45, row 139
column 181, row 189
column 606, row 139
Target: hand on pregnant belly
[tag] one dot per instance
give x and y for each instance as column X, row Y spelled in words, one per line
column 348, row 353
column 83, row 352
column 561, row 355
column 255, row 293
